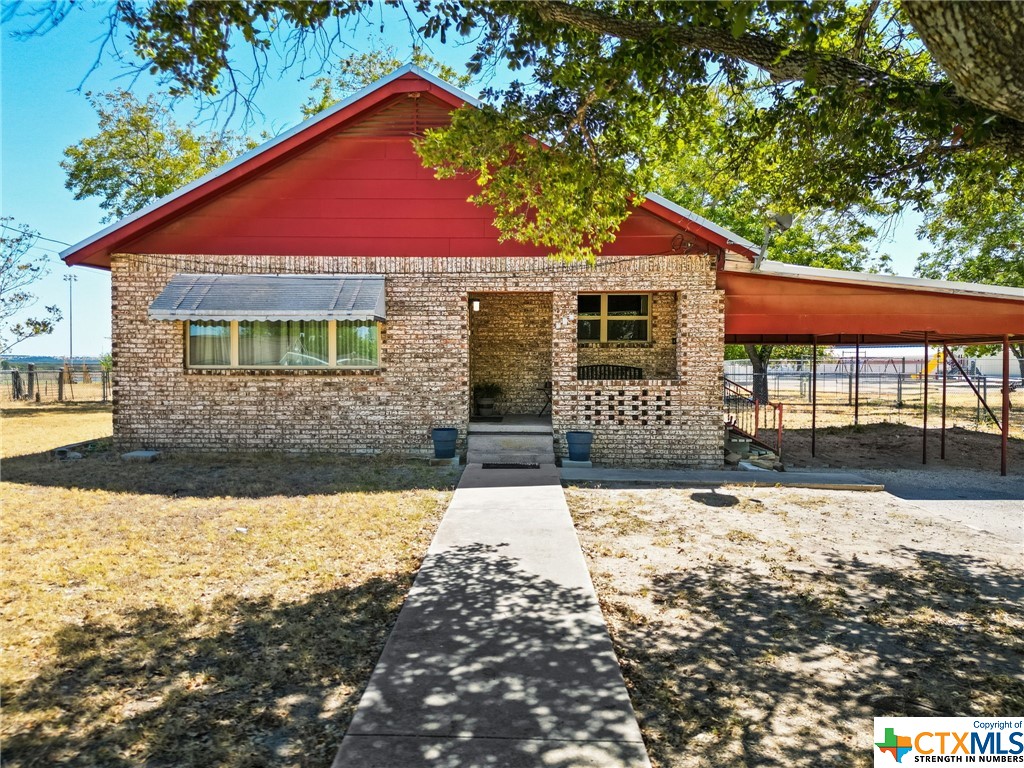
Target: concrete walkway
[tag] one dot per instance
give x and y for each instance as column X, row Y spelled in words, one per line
column 500, row 656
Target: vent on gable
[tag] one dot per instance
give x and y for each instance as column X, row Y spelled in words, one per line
column 410, row 115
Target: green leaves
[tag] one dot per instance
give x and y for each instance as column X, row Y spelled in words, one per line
column 977, row 224
column 540, row 194
column 818, row 105
column 140, row 154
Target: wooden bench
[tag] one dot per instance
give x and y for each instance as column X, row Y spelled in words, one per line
column 602, row 372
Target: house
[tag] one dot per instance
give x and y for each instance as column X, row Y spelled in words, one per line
column 325, row 292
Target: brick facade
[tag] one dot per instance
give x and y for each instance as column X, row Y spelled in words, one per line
column 425, row 375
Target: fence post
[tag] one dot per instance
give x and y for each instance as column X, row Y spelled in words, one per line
column 31, row 381
column 105, row 383
column 60, row 388
column 899, row 391
column 17, row 390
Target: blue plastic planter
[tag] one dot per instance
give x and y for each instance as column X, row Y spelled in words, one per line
column 578, row 444
column 444, row 442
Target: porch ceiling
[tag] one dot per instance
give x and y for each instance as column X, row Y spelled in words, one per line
column 800, row 306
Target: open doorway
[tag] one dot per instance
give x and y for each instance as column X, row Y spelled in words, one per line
column 510, row 350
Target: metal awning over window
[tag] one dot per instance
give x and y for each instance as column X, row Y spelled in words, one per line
column 271, row 297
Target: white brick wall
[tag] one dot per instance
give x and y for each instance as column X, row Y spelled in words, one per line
column 424, row 380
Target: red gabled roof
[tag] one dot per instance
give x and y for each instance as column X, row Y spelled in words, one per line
column 347, row 183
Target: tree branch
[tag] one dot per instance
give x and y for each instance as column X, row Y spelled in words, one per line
column 789, row 64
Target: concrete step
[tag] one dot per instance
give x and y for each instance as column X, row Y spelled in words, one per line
column 510, row 448
column 738, row 448
column 510, row 458
column 507, row 426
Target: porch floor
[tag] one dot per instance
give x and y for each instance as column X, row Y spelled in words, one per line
column 513, row 422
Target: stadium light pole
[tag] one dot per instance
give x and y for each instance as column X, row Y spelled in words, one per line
column 70, row 280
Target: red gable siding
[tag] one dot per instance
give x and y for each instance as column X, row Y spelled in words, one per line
column 351, row 185
column 354, row 195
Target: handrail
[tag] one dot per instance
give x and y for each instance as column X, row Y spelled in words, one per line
column 743, row 413
column 730, row 384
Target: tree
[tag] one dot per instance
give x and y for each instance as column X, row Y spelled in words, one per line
column 840, row 104
column 141, row 154
column 699, row 180
column 18, row 271
column 978, row 235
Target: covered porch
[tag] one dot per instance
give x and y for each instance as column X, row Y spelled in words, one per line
column 634, row 358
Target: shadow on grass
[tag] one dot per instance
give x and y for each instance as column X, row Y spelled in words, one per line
column 254, row 475
column 493, row 665
column 490, row 649
column 28, row 410
column 713, row 498
column 940, row 639
column 245, row 682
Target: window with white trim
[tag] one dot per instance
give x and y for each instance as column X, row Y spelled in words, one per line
column 250, row 344
column 621, row 318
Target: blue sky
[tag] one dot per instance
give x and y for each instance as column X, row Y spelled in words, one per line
column 43, row 111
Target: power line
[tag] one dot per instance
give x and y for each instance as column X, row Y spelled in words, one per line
column 34, row 234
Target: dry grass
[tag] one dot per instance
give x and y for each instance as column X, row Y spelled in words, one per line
column 202, row 610
column 29, row 428
column 766, row 627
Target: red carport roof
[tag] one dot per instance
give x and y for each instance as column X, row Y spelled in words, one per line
column 788, row 304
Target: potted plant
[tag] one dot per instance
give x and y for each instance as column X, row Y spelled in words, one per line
column 485, row 394
column 444, row 442
column 578, row 443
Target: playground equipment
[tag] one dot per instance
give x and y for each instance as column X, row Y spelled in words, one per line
column 939, row 357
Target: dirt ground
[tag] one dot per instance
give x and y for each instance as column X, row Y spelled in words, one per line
column 766, row 627
column 898, row 446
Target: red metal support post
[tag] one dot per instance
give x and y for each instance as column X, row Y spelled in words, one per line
column 778, row 430
column 942, row 432
column 924, row 428
column 814, row 394
column 1006, row 406
column 856, row 384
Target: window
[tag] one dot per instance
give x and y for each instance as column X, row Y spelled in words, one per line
column 283, row 344
column 357, row 345
column 209, row 344
column 613, row 317
column 301, row 343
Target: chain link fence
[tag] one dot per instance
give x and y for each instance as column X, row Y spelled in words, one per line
column 891, row 391
column 55, row 385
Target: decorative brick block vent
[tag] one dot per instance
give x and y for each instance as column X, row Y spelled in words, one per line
column 524, row 334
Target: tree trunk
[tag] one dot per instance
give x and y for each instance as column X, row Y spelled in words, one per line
column 759, row 356
column 1018, row 352
column 979, row 45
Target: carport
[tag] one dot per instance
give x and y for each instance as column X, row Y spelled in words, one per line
column 789, row 304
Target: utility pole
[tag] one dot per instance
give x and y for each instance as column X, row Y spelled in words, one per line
column 71, row 280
